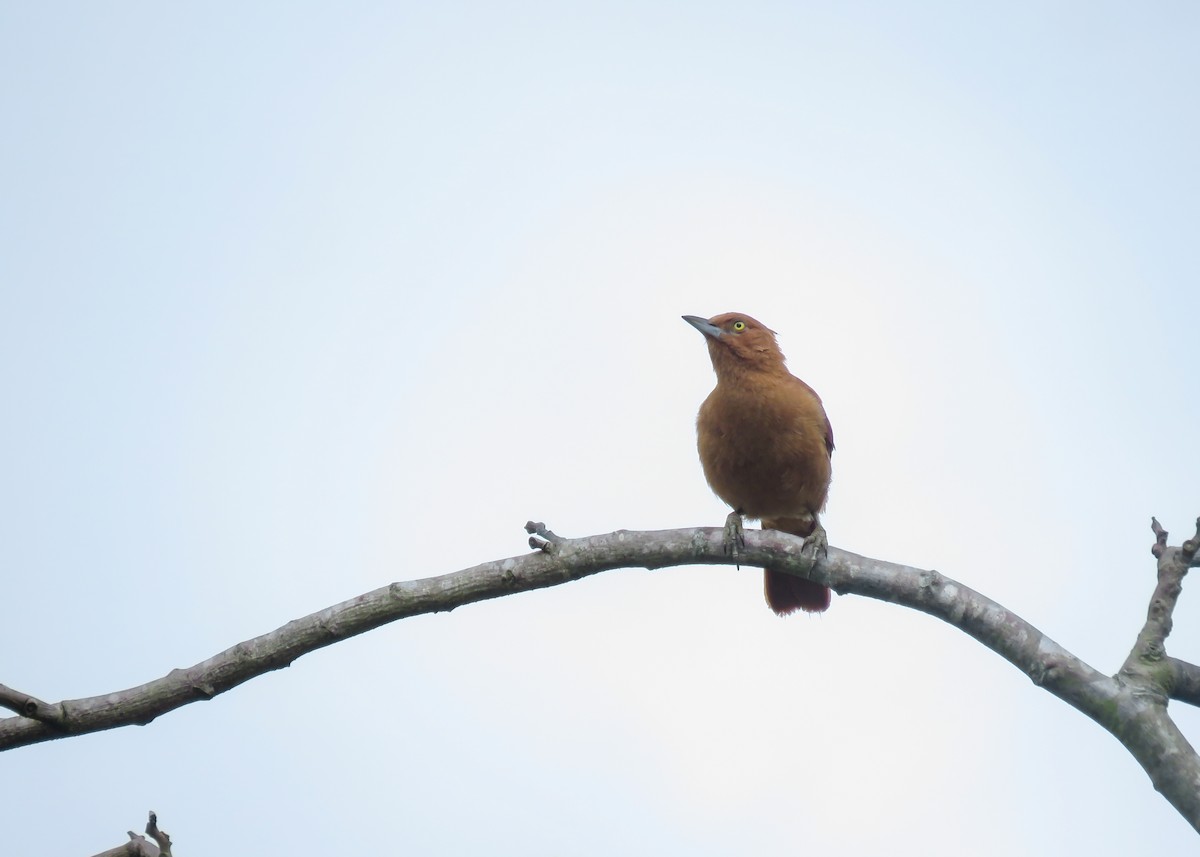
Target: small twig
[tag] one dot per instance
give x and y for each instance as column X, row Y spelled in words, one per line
column 29, row 706
column 159, row 836
column 1188, row 548
column 137, row 846
column 1185, row 681
column 540, row 538
column 1160, row 538
column 1145, row 665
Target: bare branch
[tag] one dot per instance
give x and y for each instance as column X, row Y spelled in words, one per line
column 1122, row 706
column 1185, row 681
column 29, row 706
column 1146, row 667
column 137, row 846
column 1160, row 538
column 140, row 846
column 1188, row 548
column 540, row 538
column 159, row 836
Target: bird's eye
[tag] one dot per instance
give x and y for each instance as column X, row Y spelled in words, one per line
column 739, row 326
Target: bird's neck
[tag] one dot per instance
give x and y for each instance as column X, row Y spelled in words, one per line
column 736, row 373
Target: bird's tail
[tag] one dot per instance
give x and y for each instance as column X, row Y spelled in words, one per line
column 785, row 592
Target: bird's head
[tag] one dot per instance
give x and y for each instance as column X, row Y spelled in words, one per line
column 738, row 343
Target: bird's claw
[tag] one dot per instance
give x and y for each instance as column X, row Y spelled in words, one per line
column 735, row 538
column 816, row 544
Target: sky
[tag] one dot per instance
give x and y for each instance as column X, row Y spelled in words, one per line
column 297, row 300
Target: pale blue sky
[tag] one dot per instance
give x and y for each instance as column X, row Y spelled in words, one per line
column 296, row 300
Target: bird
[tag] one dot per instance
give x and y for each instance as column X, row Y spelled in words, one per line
column 766, row 446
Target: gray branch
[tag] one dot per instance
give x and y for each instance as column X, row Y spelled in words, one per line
column 140, row 846
column 1146, row 664
column 1185, row 681
column 1132, row 705
column 28, row 706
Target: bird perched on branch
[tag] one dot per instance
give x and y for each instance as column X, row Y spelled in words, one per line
column 765, row 444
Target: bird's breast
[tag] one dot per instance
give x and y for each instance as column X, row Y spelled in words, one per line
column 764, row 451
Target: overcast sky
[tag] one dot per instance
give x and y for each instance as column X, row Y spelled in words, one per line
column 299, row 299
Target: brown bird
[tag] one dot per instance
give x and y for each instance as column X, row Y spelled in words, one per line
column 765, row 444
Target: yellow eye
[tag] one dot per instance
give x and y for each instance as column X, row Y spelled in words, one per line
column 739, row 326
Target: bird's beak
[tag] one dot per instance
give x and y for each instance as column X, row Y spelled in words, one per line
column 703, row 325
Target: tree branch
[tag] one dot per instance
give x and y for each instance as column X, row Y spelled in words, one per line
column 1185, row 681
column 1146, row 664
column 28, row 706
column 1132, row 707
column 1148, row 661
column 159, row 836
column 140, row 846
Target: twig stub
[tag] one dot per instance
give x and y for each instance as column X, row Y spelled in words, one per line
column 1160, row 538
column 1189, row 548
column 159, row 836
column 541, row 538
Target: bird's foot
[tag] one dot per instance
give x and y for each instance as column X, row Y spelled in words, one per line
column 816, row 544
column 735, row 539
